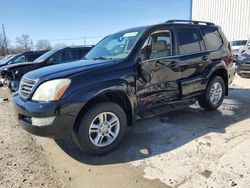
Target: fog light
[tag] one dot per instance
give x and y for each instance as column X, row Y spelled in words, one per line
column 42, row 121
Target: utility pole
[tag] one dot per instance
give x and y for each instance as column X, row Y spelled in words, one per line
column 84, row 38
column 5, row 41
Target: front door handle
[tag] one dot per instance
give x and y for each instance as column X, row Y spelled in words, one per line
column 173, row 64
column 204, row 58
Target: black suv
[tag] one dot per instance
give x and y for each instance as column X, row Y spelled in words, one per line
column 136, row 73
column 13, row 73
column 22, row 57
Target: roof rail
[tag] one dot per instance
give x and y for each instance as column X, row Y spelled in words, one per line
column 189, row 21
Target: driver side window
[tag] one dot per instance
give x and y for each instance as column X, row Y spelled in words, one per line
column 159, row 44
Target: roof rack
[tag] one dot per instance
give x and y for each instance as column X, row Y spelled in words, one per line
column 190, row 22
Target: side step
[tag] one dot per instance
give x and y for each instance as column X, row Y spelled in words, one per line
column 165, row 108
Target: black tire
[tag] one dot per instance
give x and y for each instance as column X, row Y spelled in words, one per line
column 205, row 101
column 82, row 137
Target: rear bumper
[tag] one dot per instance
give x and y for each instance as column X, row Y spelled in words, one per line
column 231, row 72
column 65, row 116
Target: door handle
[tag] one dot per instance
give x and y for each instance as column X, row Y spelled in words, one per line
column 173, row 64
column 204, row 58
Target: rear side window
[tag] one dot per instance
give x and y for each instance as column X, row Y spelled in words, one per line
column 68, row 56
column 32, row 57
column 189, row 41
column 212, row 38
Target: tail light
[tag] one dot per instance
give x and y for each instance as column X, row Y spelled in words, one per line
column 230, row 49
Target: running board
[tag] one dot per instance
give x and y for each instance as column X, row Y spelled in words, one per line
column 165, row 108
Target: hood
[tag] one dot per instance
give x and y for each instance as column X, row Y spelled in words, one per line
column 66, row 69
column 16, row 66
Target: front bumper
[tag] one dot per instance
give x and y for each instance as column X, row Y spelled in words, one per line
column 64, row 113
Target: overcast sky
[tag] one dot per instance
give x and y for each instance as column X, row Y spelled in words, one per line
column 55, row 20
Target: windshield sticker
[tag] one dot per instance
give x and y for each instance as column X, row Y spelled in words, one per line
column 131, row 34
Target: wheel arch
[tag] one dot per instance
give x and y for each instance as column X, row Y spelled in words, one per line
column 116, row 96
column 223, row 74
column 217, row 68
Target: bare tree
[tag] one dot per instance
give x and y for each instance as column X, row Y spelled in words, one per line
column 60, row 45
column 43, row 45
column 24, row 42
column 3, row 45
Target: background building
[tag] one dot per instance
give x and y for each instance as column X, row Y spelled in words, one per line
column 232, row 15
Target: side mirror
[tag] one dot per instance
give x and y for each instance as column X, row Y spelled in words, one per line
column 51, row 60
column 144, row 74
column 145, row 53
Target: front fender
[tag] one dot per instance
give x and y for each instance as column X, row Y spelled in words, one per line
column 85, row 94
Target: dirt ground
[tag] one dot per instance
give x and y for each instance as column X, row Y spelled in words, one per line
column 185, row 148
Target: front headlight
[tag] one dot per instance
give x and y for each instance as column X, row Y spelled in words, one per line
column 241, row 58
column 51, row 90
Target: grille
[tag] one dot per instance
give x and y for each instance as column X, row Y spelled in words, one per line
column 25, row 87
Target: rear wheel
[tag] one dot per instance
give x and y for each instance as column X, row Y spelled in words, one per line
column 214, row 94
column 102, row 128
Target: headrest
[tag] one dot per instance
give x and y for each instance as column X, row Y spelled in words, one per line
column 159, row 46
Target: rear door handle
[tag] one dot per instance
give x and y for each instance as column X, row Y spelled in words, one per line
column 204, row 58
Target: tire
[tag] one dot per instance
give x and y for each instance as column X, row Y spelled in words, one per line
column 206, row 101
column 105, row 138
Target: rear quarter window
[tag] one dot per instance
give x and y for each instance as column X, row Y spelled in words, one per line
column 212, row 38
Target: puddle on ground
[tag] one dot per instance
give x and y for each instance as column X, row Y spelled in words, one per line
column 206, row 173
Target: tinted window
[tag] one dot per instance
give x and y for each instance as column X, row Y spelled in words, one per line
column 160, row 45
column 189, row 41
column 32, row 57
column 67, row 56
column 212, row 38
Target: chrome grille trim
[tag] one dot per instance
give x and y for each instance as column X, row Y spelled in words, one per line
column 26, row 86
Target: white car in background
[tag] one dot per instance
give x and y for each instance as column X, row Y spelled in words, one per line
column 238, row 44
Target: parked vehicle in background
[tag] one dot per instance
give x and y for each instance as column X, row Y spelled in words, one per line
column 237, row 44
column 13, row 73
column 243, row 64
column 22, row 57
column 5, row 58
column 136, row 73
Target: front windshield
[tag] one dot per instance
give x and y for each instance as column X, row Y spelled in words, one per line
column 9, row 59
column 5, row 58
column 116, row 46
column 239, row 42
column 46, row 56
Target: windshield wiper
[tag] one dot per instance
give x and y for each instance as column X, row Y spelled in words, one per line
column 102, row 58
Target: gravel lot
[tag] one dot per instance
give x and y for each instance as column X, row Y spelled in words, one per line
column 185, row 148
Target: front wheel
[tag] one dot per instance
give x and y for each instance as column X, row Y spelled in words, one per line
column 214, row 94
column 102, row 128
